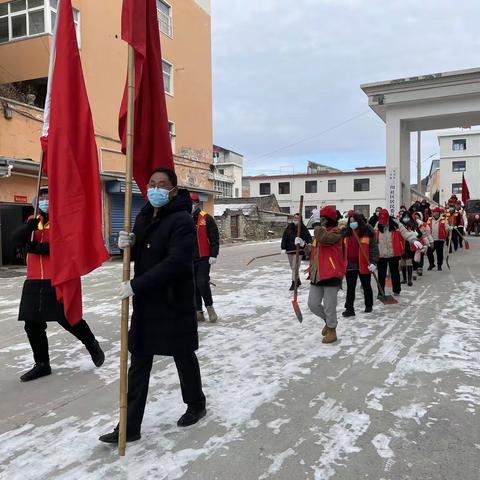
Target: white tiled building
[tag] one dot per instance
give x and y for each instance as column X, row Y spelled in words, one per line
column 459, row 154
column 228, row 172
column 362, row 189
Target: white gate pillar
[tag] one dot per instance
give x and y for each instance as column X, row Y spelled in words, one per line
column 397, row 185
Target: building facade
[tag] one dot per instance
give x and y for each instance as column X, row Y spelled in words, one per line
column 25, row 40
column 459, row 155
column 362, row 190
column 227, row 173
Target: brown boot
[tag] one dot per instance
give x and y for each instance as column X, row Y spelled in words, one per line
column 324, row 330
column 330, row 336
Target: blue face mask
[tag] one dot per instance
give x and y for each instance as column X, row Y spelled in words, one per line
column 158, row 197
column 43, row 205
column 353, row 225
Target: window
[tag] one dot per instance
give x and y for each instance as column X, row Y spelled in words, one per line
column 224, row 189
column 171, row 129
column 167, row 77
column 363, row 209
column 361, row 185
column 265, row 189
column 285, row 209
column 311, row 186
column 460, row 166
column 332, row 185
column 459, row 144
column 28, row 18
column 237, row 193
column 164, row 14
column 456, row 188
column 284, row 188
column 309, row 210
column 221, row 171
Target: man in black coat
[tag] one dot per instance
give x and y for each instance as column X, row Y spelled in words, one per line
column 290, row 241
column 205, row 255
column 163, row 320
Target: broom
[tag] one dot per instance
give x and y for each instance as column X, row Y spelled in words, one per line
column 385, row 299
column 465, row 241
column 296, row 306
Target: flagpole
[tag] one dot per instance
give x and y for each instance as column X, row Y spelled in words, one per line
column 126, row 255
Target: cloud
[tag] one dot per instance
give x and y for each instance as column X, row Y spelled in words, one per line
column 284, row 70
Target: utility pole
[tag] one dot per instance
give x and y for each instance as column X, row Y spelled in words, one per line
column 419, row 162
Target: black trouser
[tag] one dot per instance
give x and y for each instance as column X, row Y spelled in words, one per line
column 461, row 234
column 454, row 240
column 351, row 277
column 392, row 263
column 36, row 333
column 438, row 247
column 417, row 265
column 202, row 283
column 139, row 377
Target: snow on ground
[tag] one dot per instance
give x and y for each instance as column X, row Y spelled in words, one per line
column 255, row 358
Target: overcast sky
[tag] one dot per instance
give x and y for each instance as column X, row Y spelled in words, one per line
column 289, row 70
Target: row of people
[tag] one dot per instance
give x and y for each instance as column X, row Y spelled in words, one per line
column 356, row 248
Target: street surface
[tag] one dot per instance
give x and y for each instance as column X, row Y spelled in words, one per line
column 396, row 398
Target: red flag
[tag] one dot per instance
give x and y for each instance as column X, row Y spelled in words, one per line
column 76, row 243
column 151, row 147
column 465, row 191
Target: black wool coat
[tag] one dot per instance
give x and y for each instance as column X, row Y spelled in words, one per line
column 163, row 320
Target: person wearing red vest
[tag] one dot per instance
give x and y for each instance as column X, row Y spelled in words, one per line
column 327, row 269
column 39, row 303
column 359, row 265
column 205, row 255
column 439, row 228
column 391, row 236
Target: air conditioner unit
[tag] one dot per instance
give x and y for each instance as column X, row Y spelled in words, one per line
column 5, row 168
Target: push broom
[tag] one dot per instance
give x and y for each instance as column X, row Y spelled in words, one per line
column 296, row 306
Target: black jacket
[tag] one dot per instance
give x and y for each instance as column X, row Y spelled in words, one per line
column 288, row 238
column 373, row 220
column 212, row 234
column 163, row 319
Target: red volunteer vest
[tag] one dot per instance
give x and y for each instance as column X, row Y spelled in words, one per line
column 398, row 242
column 442, row 231
column 38, row 266
column 330, row 260
column 364, row 245
column 202, row 237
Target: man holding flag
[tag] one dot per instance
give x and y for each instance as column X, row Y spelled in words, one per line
column 75, row 244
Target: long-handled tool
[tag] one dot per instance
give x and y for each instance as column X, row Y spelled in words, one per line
column 296, row 306
column 465, row 241
column 269, row 255
column 449, row 245
column 385, row 299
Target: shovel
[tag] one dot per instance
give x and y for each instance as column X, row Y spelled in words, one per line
column 465, row 241
column 269, row 255
column 449, row 242
column 385, row 299
column 296, row 306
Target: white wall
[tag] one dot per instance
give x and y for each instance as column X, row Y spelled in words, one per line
column 472, row 158
column 344, row 198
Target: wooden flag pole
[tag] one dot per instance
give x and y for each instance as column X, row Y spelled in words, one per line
column 122, row 433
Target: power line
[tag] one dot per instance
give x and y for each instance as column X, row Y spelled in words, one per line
column 268, row 154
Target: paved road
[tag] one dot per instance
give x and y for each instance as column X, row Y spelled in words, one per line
column 396, row 398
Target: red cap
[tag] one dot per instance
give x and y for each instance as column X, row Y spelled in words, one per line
column 383, row 216
column 437, row 210
column 194, row 197
column 329, row 211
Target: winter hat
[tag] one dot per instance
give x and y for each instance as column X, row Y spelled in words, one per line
column 194, row 197
column 383, row 217
column 437, row 210
column 329, row 211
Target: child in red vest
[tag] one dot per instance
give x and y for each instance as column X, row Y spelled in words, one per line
column 439, row 228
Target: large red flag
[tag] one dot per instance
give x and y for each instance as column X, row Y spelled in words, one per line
column 76, row 243
column 465, row 190
column 151, row 146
